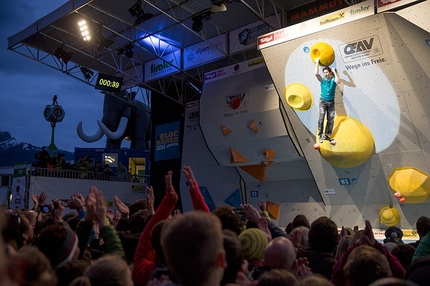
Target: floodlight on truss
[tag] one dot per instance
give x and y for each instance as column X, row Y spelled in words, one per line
column 61, row 54
column 100, row 40
column 198, row 19
column 86, row 72
column 219, row 5
column 137, row 12
column 85, row 33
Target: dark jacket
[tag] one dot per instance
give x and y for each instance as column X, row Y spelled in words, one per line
column 320, row 262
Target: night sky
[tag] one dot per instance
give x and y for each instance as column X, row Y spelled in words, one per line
column 28, row 86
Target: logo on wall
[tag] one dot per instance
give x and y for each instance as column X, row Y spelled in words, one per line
column 167, row 141
column 236, row 100
column 362, row 48
column 266, row 39
column 248, row 36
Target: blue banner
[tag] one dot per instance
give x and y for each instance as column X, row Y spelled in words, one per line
column 167, row 141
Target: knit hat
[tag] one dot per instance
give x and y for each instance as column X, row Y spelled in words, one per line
column 252, row 243
column 64, row 253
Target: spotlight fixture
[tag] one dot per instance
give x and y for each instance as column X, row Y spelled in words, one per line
column 198, row 19
column 219, row 5
column 218, row 8
column 126, row 51
column 62, row 54
column 86, row 72
column 100, row 40
column 137, row 11
column 85, row 33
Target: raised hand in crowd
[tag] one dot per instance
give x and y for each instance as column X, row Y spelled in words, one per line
column 99, row 208
column 177, row 212
column 367, row 238
column 251, row 213
column 189, row 175
column 90, row 201
column 76, row 202
column 111, row 216
column 38, row 200
column 263, row 225
column 170, row 189
column 57, row 211
column 262, row 205
column 123, row 208
column 150, row 198
column 300, row 268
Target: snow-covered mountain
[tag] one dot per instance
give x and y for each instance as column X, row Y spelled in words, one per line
column 12, row 152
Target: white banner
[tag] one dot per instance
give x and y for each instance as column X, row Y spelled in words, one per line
column 342, row 16
column 245, row 37
column 233, row 69
column 204, row 52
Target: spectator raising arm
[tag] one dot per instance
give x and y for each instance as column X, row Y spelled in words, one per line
column 144, row 257
column 193, row 187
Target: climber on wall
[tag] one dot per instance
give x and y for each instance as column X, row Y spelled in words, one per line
column 326, row 104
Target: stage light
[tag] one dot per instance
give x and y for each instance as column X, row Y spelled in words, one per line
column 218, row 8
column 129, row 51
column 100, row 40
column 85, row 33
column 198, row 19
column 137, row 11
column 62, row 54
column 126, row 51
column 86, row 72
column 197, row 23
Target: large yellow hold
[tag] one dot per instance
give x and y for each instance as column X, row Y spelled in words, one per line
column 324, row 52
column 355, row 144
column 411, row 183
column 389, row 216
column 298, row 96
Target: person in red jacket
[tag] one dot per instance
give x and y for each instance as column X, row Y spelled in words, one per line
column 145, row 258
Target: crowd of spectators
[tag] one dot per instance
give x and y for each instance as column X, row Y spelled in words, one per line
column 139, row 244
column 84, row 168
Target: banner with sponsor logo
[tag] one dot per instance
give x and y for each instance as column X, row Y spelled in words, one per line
column 313, row 9
column 157, row 68
column 192, row 115
column 167, row 141
column 204, row 52
column 18, row 186
column 385, row 5
column 233, row 69
column 340, row 17
column 245, row 37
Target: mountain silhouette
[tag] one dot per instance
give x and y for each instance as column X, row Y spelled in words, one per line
column 12, row 152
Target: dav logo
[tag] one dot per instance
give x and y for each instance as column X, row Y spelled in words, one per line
column 266, row 39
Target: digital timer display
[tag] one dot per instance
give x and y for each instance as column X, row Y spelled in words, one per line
column 108, row 83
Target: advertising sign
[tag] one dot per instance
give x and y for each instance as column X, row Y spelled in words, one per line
column 204, row 52
column 157, row 68
column 385, row 5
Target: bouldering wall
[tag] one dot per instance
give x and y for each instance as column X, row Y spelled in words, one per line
column 382, row 61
